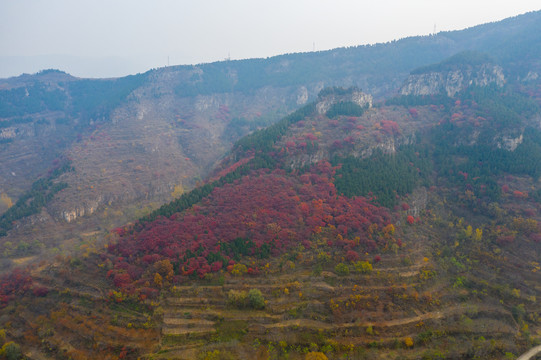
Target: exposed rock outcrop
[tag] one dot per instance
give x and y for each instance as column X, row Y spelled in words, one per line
column 8, row 133
column 82, row 210
column 509, row 143
column 358, row 97
column 452, row 81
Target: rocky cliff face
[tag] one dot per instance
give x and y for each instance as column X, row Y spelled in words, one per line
column 28, row 150
column 86, row 208
column 362, row 150
column 509, row 143
column 378, row 129
column 358, row 97
column 451, row 82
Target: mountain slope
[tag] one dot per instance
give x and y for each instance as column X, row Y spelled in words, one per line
column 190, row 115
column 287, row 249
column 446, row 287
column 407, row 228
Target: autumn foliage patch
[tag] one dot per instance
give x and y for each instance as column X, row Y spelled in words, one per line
column 264, row 214
column 16, row 282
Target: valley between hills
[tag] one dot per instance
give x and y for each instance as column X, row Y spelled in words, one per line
column 349, row 204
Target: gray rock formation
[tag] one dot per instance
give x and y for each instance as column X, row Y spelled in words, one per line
column 357, row 97
column 451, row 82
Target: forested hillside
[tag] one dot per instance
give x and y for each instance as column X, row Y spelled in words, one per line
column 192, row 115
column 249, row 210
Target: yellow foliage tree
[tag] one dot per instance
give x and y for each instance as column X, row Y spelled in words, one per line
column 158, row 280
column 478, row 234
column 363, row 267
column 165, row 269
column 239, row 269
column 389, row 229
column 315, row 355
column 524, row 225
column 213, row 355
column 177, row 191
column 6, row 200
column 408, row 342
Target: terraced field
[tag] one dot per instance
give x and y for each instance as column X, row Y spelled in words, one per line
column 349, row 315
column 404, row 305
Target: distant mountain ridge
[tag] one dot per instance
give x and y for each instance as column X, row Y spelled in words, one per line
column 133, row 140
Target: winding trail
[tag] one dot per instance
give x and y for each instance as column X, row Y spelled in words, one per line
column 530, row 353
column 307, row 323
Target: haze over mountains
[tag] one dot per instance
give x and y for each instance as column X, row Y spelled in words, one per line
column 195, row 113
column 420, row 155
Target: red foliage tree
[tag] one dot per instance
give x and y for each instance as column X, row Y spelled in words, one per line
column 272, row 211
column 13, row 284
column 389, row 127
column 352, row 256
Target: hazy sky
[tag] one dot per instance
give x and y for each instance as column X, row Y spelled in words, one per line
column 102, row 38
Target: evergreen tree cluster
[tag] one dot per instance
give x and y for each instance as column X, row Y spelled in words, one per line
column 263, row 140
column 30, row 100
column 384, row 176
column 97, row 97
column 502, row 106
column 31, row 202
column 336, row 91
column 481, row 163
column 456, row 62
column 345, row 108
column 240, row 247
column 187, row 200
column 420, row 100
column 505, row 112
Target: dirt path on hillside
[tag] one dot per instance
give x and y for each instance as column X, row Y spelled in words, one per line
column 389, row 323
column 530, row 353
column 413, row 319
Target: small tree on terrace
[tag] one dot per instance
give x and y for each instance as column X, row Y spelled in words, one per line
column 240, row 299
column 341, row 269
column 256, row 299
